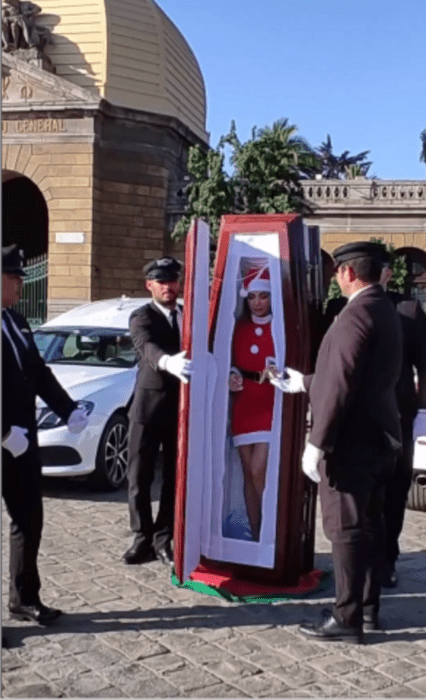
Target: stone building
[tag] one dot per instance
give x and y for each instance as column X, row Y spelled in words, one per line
column 101, row 101
column 360, row 209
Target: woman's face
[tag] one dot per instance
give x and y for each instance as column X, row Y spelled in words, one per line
column 259, row 303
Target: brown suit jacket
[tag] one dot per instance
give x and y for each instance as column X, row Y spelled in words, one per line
column 352, row 393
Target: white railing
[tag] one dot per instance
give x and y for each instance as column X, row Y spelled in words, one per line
column 362, row 191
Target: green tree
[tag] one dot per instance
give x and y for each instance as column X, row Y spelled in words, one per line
column 423, row 151
column 267, row 170
column 337, row 167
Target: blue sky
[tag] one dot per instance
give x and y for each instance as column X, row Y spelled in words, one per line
column 354, row 70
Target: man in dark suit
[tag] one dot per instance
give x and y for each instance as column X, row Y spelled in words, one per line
column 155, row 330
column 355, row 437
column 410, row 399
column 24, row 376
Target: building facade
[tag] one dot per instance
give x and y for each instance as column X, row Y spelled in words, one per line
column 96, row 130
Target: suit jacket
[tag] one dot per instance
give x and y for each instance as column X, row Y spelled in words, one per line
column 22, row 385
column 413, row 321
column 156, row 396
column 352, row 393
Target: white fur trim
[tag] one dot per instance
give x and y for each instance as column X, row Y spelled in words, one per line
column 259, row 285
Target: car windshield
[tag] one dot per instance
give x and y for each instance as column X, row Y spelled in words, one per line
column 95, row 346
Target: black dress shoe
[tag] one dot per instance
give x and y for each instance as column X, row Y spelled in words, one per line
column 139, row 553
column 371, row 623
column 165, row 555
column 35, row 613
column 330, row 630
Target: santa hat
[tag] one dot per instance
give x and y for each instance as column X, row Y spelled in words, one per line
column 256, row 280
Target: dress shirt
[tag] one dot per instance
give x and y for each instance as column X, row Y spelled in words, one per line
column 168, row 314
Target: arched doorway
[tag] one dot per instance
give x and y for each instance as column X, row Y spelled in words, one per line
column 25, row 222
column 416, row 279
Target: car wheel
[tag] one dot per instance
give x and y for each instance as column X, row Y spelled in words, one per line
column 111, row 459
column 417, row 494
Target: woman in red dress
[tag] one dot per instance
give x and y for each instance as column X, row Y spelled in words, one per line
column 253, row 402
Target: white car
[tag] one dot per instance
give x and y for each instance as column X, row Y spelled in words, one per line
column 90, row 351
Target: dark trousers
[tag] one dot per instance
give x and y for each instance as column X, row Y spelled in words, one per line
column 397, row 488
column 354, row 523
column 22, row 495
column 144, row 445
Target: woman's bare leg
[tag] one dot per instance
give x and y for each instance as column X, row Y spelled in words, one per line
column 259, row 464
column 254, row 459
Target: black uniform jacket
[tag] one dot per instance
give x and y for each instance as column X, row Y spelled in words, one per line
column 352, row 393
column 21, row 386
column 155, row 401
column 413, row 320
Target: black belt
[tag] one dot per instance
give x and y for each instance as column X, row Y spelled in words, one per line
column 254, row 376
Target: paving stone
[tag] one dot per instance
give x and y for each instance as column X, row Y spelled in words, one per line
column 401, row 670
column 401, row 691
column 369, row 681
column 10, row 661
column 203, row 653
column 102, row 656
column 165, row 662
column 262, row 685
column 419, row 659
column 275, row 637
column 124, row 674
column 35, row 690
column 152, row 688
column 137, row 648
column 221, row 690
column 335, row 664
column 298, row 675
column 330, row 689
column 78, row 644
column 67, row 666
column 419, row 685
column 230, row 668
column 82, row 685
column 190, row 677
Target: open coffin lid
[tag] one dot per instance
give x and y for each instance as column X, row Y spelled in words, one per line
column 210, row 520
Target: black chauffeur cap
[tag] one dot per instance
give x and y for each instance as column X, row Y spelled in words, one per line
column 12, row 260
column 163, row 269
column 362, row 249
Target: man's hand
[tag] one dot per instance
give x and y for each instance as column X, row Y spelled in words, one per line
column 16, row 441
column 235, row 381
column 293, row 384
column 310, row 460
column 179, row 366
column 77, row 421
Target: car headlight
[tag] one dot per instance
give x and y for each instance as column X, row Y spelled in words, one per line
column 48, row 419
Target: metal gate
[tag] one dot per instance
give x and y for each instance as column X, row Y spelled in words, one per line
column 33, row 302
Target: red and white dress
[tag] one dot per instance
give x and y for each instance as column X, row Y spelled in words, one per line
column 252, row 407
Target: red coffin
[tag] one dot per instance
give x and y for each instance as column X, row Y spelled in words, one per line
column 209, row 513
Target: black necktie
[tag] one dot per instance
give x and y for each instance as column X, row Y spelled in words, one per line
column 175, row 326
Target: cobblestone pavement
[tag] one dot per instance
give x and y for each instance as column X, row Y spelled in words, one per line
column 129, row 633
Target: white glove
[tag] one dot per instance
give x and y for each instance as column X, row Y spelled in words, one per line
column 310, row 460
column 16, row 442
column 179, row 366
column 77, row 421
column 293, row 384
